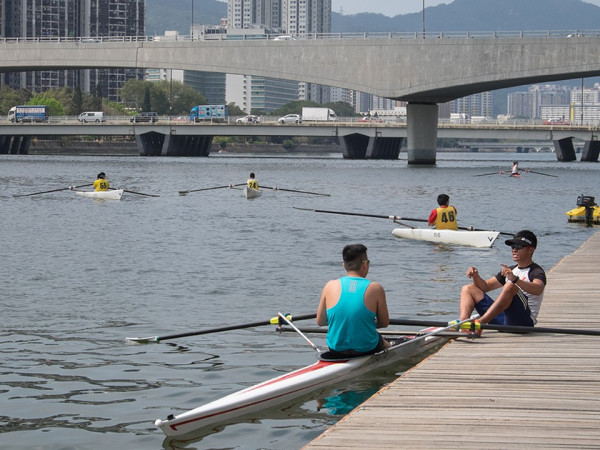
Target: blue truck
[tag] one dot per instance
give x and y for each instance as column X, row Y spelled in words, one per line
column 28, row 113
column 215, row 113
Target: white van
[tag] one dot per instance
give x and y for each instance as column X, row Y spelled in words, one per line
column 94, row 116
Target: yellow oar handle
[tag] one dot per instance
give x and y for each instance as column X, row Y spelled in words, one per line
column 277, row 320
column 472, row 326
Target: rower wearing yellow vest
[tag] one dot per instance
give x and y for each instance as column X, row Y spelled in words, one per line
column 252, row 183
column 101, row 184
column 444, row 217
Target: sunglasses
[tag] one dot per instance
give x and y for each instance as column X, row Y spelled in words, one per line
column 518, row 247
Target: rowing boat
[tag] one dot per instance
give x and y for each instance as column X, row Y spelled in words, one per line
column 115, row 194
column 482, row 239
column 252, row 193
column 300, row 382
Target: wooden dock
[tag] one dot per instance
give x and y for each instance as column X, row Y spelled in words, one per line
column 502, row 391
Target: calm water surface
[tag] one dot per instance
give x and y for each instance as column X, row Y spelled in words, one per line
column 80, row 275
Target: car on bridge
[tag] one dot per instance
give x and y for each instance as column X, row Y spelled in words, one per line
column 290, row 118
column 249, row 119
column 557, row 122
column 145, row 116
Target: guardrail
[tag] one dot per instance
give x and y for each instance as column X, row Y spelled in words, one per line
column 342, row 121
column 517, row 34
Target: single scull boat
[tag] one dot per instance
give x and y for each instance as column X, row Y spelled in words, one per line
column 106, row 195
column 300, row 382
column 482, row 239
column 252, row 193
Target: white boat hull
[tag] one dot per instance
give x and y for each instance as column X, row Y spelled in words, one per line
column 115, row 194
column 292, row 385
column 252, row 193
column 482, row 239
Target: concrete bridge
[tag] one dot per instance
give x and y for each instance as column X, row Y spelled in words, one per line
column 423, row 72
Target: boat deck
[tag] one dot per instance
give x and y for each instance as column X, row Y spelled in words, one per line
column 500, row 391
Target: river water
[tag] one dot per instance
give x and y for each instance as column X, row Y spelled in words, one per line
column 81, row 275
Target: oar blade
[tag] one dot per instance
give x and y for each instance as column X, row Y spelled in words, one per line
column 143, row 340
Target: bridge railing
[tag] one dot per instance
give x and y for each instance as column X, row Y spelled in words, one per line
column 518, row 34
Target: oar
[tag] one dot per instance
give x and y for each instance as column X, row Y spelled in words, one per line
column 490, row 173
column 506, row 328
column 211, row 188
column 311, row 343
column 294, row 190
column 390, row 217
column 323, row 330
column 273, row 321
column 141, row 193
column 54, row 190
column 540, row 173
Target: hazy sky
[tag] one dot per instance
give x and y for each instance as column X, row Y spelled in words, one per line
column 392, row 7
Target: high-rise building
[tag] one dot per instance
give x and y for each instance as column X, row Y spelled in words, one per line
column 293, row 17
column 72, row 18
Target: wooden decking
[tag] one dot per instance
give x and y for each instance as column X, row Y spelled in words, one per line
column 503, row 391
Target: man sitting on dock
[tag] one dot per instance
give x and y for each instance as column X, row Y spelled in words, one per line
column 354, row 308
column 522, row 288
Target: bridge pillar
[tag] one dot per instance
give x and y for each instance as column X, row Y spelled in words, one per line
column 178, row 145
column 564, row 149
column 421, row 128
column 14, row 145
column 591, row 150
column 383, row 148
column 354, row 146
column 159, row 144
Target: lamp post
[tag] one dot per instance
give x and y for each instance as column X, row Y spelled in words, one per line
column 192, row 29
column 423, row 20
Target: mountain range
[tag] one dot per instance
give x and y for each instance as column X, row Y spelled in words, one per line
column 459, row 15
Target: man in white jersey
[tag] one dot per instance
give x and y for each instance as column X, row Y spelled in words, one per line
column 522, row 286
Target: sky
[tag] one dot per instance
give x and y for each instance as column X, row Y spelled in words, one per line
column 392, row 7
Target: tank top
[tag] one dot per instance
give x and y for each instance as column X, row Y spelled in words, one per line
column 446, row 218
column 352, row 326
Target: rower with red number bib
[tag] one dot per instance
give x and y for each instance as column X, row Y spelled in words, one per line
column 444, row 217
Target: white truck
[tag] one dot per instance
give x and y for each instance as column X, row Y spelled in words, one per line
column 310, row 114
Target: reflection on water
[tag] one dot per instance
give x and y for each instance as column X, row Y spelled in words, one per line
column 81, row 275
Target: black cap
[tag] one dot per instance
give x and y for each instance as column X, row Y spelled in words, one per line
column 524, row 238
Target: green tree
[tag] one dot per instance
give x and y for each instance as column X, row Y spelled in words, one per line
column 147, row 103
column 55, row 108
column 235, row 110
column 10, row 97
column 174, row 98
column 77, row 102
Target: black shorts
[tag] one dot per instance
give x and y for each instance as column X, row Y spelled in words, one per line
column 345, row 354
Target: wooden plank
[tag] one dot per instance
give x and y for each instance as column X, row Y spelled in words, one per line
column 504, row 390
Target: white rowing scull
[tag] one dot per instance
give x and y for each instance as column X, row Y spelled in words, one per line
column 481, row 239
column 299, row 382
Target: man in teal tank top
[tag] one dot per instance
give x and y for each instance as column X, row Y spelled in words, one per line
column 353, row 308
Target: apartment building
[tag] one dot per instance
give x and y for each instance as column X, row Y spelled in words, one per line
column 72, row 18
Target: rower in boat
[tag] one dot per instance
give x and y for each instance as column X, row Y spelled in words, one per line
column 252, row 182
column 251, row 190
column 443, row 217
column 514, row 171
column 101, row 183
column 353, row 308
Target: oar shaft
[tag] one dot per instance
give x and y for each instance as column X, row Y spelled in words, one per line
column 140, row 193
column 53, row 190
column 348, row 213
column 221, row 329
column 506, row 328
column 294, row 190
